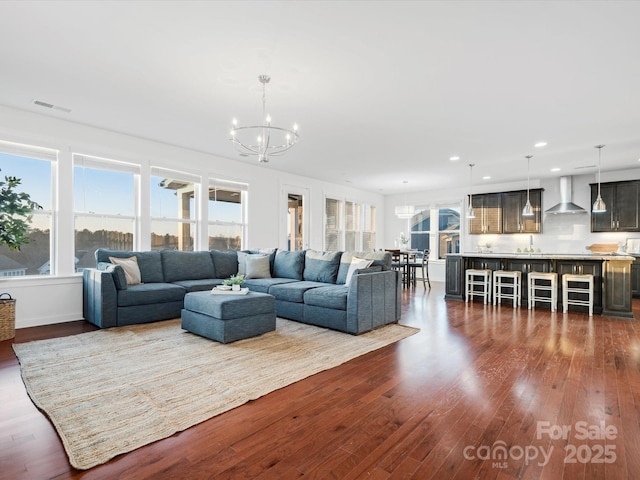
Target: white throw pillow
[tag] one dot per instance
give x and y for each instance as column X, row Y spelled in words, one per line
column 357, row 264
column 242, row 261
column 257, row 266
column 130, row 267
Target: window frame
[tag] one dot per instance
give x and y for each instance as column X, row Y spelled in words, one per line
column 50, row 155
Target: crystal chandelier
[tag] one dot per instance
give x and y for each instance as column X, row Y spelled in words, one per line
column 263, row 140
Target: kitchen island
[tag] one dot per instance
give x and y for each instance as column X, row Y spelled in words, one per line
column 611, row 272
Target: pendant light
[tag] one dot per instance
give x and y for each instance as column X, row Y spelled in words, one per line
column 527, row 211
column 599, row 206
column 470, row 212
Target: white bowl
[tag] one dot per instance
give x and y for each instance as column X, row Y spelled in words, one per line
column 224, row 287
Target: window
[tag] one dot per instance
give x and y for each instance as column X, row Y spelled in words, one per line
column 420, row 230
column 226, row 227
column 332, row 224
column 369, row 228
column 349, row 225
column 446, row 232
column 173, row 205
column 104, row 204
column 33, row 166
column 352, row 225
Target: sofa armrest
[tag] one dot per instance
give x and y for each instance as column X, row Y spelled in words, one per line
column 99, row 298
column 373, row 300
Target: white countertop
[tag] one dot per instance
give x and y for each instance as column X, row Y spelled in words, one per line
column 550, row 256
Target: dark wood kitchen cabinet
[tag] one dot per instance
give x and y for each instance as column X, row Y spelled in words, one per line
column 512, row 205
column 526, row 265
column 623, row 207
column 502, row 212
column 488, row 211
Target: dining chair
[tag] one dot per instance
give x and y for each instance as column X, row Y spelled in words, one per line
column 420, row 261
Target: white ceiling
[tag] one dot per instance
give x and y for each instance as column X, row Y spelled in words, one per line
column 383, row 91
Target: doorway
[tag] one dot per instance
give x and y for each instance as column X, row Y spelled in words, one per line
column 295, row 225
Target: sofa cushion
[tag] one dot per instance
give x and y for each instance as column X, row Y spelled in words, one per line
column 262, row 285
column 119, row 278
column 257, row 266
column 380, row 259
column 289, row 264
column 150, row 293
column 199, row 285
column 321, row 266
column 177, row 265
column 130, row 267
column 225, row 263
column 150, row 263
column 294, row 291
column 333, row 296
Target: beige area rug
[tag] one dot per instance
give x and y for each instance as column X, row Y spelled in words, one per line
column 111, row 391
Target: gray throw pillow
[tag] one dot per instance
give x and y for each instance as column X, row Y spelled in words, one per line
column 257, row 266
column 242, row 261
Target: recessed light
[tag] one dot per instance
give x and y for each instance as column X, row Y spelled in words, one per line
column 454, row 158
column 405, row 181
column 486, row 177
column 555, row 169
column 540, row 144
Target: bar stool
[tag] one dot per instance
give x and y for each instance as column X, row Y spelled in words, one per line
column 586, row 288
column 552, row 287
column 478, row 277
column 514, row 286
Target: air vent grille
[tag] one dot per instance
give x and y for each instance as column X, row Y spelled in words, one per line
column 40, row 103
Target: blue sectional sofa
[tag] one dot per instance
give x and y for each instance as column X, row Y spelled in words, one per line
column 309, row 286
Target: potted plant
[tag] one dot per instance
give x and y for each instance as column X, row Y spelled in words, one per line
column 15, row 215
column 234, row 281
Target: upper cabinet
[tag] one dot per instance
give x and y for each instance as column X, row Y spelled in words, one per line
column 488, row 211
column 502, row 212
column 512, row 205
column 623, row 207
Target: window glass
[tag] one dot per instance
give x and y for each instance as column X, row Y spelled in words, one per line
column 333, row 224
column 420, row 230
column 449, row 231
column 446, row 233
column 227, row 204
column 34, row 257
column 369, row 228
column 104, row 208
column 173, row 211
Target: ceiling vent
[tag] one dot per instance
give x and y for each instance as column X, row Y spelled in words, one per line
column 40, row 103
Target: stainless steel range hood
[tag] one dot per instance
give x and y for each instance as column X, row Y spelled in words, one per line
column 565, row 205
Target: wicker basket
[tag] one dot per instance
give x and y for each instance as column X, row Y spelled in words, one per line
column 7, row 317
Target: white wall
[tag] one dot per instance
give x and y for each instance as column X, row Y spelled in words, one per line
column 568, row 233
column 44, row 300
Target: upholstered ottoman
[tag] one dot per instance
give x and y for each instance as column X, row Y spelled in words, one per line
column 227, row 318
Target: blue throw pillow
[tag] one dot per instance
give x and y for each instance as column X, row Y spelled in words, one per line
column 321, row 266
column 289, row 264
column 119, row 278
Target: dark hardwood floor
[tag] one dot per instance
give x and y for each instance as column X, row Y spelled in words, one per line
column 477, row 381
